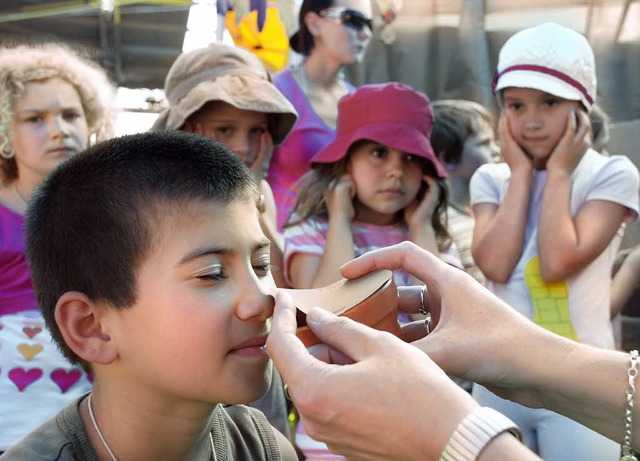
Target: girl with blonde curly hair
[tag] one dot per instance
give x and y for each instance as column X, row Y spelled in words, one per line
column 53, row 103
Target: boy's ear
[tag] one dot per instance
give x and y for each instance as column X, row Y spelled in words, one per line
column 78, row 319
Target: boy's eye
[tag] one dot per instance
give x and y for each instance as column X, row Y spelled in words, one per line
column 263, row 269
column 212, row 273
column 411, row 158
column 551, row 102
column 262, row 266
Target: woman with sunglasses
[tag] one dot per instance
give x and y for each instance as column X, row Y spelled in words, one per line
column 332, row 34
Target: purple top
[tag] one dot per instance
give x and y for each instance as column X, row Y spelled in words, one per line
column 16, row 289
column 291, row 159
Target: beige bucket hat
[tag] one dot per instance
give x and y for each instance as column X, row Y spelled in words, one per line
column 226, row 73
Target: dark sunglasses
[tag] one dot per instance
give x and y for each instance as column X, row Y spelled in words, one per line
column 349, row 18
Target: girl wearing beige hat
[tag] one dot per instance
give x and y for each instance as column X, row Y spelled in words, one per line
column 225, row 92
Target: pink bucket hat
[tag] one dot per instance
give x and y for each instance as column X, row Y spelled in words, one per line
column 226, row 73
column 392, row 114
column 549, row 58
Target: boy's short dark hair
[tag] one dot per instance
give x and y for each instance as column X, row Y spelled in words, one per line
column 455, row 120
column 94, row 219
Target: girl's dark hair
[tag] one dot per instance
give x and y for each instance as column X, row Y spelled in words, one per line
column 311, row 187
column 302, row 41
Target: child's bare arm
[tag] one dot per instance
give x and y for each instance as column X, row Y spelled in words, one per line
column 625, row 281
column 498, row 234
column 313, row 271
column 566, row 244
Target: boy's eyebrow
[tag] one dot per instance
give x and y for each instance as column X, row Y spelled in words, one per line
column 224, row 250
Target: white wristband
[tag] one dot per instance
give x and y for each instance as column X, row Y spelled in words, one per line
column 474, row 433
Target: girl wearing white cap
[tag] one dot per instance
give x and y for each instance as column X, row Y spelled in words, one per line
column 549, row 220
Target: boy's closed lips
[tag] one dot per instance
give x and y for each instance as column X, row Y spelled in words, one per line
column 253, row 347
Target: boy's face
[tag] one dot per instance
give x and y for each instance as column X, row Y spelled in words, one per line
column 204, row 299
column 240, row 130
column 537, row 120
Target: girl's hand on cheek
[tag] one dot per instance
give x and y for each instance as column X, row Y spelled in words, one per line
column 511, row 151
column 573, row 144
column 339, row 197
column 421, row 210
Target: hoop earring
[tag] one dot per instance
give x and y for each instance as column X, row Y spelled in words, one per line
column 7, row 152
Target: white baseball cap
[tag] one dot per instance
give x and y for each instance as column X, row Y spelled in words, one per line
column 549, row 58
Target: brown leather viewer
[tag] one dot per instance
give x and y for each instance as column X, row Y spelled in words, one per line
column 371, row 299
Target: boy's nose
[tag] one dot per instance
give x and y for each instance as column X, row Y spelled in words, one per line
column 257, row 301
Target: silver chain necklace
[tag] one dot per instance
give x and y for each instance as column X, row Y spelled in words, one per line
column 108, row 448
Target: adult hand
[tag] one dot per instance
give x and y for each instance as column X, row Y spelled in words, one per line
column 573, row 144
column 475, row 335
column 371, row 382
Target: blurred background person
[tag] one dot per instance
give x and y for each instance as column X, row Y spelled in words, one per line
column 331, row 35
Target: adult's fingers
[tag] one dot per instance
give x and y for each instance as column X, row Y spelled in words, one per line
column 345, row 341
column 286, row 350
column 406, row 255
column 343, row 336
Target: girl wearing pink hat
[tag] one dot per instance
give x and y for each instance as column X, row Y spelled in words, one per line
column 378, row 183
column 549, row 220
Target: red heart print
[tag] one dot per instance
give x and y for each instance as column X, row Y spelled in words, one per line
column 31, row 331
column 24, row 378
column 65, row 379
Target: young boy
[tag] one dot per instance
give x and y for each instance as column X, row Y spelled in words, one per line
column 152, row 271
column 550, row 219
column 225, row 92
